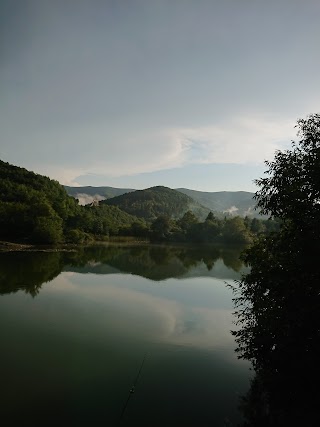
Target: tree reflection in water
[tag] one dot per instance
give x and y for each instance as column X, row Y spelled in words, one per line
column 281, row 337
column 27, row 271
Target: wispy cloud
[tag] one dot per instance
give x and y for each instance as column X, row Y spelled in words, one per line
column 242, row 140
column 84, row 151
column 118, row 91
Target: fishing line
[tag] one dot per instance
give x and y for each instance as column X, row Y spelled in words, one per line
column 133, row 388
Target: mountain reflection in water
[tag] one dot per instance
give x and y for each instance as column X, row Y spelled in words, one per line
column 29, row 270
column 71, row 354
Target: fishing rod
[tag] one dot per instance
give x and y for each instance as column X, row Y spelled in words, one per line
column 133, row 388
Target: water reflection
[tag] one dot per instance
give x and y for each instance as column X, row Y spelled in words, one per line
column 29, row 270
column 76, row 349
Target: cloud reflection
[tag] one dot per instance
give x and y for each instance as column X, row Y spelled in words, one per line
column 136, row 313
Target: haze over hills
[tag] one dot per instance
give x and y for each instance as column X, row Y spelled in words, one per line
column 87, row 194
column 231, row 202
column 227, row 202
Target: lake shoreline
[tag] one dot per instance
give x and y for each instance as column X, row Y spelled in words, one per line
column 24, row 247
column 6, row 246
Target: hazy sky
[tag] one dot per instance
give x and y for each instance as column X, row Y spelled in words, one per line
column 136, row 93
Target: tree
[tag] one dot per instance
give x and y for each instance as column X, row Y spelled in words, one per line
column 210, row 217
column 278, row 302
column 235, row 231
column 291, row 191
column 187, row 221
column 257, row 226
column 160, row 227
column 48, row 229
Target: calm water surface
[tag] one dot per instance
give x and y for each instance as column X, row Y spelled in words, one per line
column 76, row 327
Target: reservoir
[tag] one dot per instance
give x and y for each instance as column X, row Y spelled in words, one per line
column 80, row 329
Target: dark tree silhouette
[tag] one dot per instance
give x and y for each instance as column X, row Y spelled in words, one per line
column 278, row 302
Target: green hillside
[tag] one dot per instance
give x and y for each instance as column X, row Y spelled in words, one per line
column 34, row 208
column 220, row 202
column 156, row 201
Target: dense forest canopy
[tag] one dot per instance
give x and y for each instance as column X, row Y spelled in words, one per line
column 32, row 206
column 234, row 230
column 36, row 209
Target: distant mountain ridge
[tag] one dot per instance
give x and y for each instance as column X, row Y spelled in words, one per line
column 223, row 202
column 231, row 202
column 87, row 194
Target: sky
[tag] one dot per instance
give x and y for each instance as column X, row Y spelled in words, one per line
column 137, row 93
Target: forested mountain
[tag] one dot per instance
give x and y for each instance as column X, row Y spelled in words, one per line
column 87, row 194
column 156, row 201
column 223, row 202
column 34, row 208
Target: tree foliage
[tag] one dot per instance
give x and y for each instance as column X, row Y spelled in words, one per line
column 278, row 302
column 233, row 230
column 37, row 209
